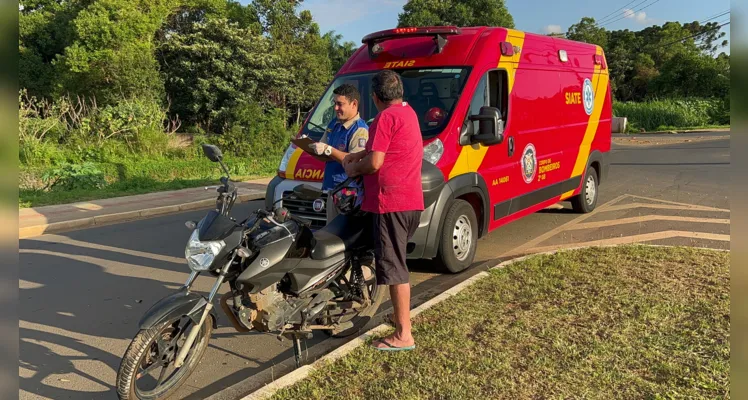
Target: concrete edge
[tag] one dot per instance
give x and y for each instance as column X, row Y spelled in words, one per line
column 105, row 219
column 303, row 372
column 675, row 132
column 297, row 375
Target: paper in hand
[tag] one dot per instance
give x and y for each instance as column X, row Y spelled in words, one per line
column 304, row 142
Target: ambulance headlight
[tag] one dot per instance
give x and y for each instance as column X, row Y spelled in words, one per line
column 284, row 161
column 433, row 151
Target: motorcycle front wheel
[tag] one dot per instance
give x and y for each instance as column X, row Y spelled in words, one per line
column 147, row 369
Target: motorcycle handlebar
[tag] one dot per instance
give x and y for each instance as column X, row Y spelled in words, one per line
column 301, row 221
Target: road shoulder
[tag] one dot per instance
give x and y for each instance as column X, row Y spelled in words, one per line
column 65, row 217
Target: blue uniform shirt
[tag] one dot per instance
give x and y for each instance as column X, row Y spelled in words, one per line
column 349, row 137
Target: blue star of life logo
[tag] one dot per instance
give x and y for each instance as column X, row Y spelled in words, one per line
column 588, row 97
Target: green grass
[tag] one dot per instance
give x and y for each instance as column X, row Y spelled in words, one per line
column 37, row 198
column 629, row 322
column 688, row 128
column 131, row 176
column 661, row 115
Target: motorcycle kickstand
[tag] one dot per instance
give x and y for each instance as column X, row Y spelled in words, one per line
column 297, row 349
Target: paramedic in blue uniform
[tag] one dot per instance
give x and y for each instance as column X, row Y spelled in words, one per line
column 348, row 133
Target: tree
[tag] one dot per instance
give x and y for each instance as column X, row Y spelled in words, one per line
column 644, row 72
column 113, row 53
column 45, row 30
column 638, row 59
column 338, row 52
column 455, row 12
column 215, row 69
column 621, row 59
column 303, row 53
column 587, row 31
column 693, row 75
column 708, row 34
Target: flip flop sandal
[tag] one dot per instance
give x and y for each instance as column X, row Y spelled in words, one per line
column 390, row 347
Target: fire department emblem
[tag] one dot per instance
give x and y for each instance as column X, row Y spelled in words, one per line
column 529, row 163
column 588, row 97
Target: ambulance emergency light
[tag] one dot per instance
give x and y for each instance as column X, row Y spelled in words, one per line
column 439, row 33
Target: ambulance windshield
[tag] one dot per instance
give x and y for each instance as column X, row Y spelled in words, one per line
column 432, row 92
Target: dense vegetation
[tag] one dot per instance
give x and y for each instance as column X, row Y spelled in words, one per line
column 121, row 93
column 667, row 76
column 118, row 94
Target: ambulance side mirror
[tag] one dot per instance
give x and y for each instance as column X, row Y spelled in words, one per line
column 490, row 126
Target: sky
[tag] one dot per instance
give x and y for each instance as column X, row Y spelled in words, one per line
column 353, row 19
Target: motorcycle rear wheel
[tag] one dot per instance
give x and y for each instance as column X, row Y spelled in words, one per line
column 376, row 295
column 151, row 345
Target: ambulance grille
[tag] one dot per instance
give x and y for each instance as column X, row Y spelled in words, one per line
column 304, row 209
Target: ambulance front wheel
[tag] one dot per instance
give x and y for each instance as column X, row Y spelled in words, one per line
column 459, row 237
column 586, row 200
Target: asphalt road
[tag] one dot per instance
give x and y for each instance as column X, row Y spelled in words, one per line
column 82, row 293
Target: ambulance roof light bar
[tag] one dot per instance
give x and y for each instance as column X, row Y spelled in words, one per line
column 439, row 34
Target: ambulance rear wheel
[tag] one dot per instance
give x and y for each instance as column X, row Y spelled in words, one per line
column 459, row 237
column 586, row 200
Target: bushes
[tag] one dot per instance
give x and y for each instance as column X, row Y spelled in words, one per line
column 669, row 114
column 74, row 176
column 256, row 134
column 73, row 149
column 48, row 128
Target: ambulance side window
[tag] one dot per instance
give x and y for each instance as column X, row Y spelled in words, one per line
column 480, row 99
column 498, row 92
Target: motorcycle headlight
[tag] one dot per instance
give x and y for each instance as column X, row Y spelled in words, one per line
column 286, row 158
column 200, row 255
column 433, row 151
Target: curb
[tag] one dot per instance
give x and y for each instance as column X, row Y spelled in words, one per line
column 99, row 220
column 675, row 132
column 303, row 372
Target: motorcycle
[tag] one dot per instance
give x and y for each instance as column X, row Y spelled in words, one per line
column 284, row 279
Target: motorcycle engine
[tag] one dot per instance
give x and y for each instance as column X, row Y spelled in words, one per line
column 269, row 310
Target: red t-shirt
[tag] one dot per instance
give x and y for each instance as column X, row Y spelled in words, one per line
column 397, row 185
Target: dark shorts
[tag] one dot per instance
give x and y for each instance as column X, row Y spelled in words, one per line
column 391, row 234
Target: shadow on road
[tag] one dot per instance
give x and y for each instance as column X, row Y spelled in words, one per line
column 49, row 357
column 77, row 319
column 80, row 306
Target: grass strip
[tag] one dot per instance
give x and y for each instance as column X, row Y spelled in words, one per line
column 623, row 322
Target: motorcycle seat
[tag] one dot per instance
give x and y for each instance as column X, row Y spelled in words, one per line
column 342, row 234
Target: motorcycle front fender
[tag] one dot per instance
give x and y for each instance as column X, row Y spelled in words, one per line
column 179, row 304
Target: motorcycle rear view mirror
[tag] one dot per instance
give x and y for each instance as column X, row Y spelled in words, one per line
column 212, row 152
column 306, row 192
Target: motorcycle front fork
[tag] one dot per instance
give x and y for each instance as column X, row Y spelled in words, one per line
column 182, row 355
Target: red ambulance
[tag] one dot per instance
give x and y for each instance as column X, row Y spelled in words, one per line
column 512, row 122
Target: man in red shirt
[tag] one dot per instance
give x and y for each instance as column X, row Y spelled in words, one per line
column 391, row 167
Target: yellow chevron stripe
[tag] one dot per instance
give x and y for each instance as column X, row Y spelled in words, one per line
column 291, row 168
column 471, row 157
column 601, row 87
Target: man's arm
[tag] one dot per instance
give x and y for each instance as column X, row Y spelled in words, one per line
column 374, row 158
column 354, row 157
column 356, row 144
column 369, row 164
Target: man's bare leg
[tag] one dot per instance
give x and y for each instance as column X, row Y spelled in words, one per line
column 403, row 337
